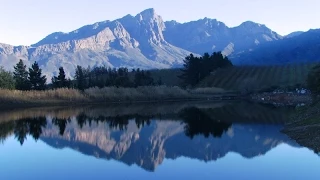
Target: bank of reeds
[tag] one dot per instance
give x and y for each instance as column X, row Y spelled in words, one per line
column 98, row 95
column 8, row 97
column 146, row 93
column 93, row 95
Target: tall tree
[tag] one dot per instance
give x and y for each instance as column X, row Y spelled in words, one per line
column 20, row 76
column 197, row 68
column 37, row 80
column 6, row 79
column 80, row 78
column 191, row 73
column 60, row 81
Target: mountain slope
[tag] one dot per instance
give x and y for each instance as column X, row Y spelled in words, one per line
column 208, row 35
column 303, row 48
column 135, row 42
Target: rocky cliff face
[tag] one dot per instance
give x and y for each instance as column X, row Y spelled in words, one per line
column 141, row 41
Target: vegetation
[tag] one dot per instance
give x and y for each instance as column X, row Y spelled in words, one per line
column 6, row 79
column 21, row 76
column 16, row 97
column 250, row 79
column 197, row 68
column 313, row 80
column 93, row 95
column 207, row 75
column 61, row 81
column 143, row 93
column 37, row 81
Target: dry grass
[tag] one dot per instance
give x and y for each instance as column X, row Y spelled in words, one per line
column 137, row 94
column 49, row 96
column 95, row 95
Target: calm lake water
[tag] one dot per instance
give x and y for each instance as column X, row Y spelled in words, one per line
column 147, row 141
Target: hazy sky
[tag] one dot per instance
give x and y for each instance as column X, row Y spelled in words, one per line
column 24, row 22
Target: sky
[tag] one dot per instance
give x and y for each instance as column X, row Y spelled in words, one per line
column 25, row 22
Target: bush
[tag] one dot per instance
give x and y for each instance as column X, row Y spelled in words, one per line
column 6, row 79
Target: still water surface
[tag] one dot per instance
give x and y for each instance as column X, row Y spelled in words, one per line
column 170, row 141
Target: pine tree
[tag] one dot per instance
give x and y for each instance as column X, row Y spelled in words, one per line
column 20, row 76
column 37, row 81
column 197, row 68
column 80, row 78
column 191, row 73
column 60, row 81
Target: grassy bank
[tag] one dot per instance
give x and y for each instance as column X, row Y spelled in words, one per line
column 305, row 127
column 12, row 98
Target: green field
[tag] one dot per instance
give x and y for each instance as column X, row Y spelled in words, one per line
column 258, row 77
column 239, row 77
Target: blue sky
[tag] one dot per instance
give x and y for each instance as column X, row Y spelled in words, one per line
column 26, row 22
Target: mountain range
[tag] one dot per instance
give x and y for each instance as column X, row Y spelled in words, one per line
column 147, row 41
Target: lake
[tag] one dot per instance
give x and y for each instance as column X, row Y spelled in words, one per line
column 198, row 140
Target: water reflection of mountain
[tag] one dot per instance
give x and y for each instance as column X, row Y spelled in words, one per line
column 204, row 132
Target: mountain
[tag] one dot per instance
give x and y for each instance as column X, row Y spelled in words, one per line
column 208, row 35
column 294, row 34
column 142, row 41
column 303, row 48
column 132, row 41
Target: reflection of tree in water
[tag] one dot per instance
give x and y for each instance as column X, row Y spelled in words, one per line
column 6, row 130
column 196, row 123
column 116, row 122
column 29, row 126
column 61, row 123
column 199, row 123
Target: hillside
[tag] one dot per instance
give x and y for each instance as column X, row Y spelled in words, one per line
column 303, row 48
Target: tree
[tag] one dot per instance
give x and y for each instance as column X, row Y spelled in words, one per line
column 191, row 71
column 80, row 78
column 143, row 78
column 20, row 76
column 61, row 81
column 37, row 81
column 6, row 79
column 197, row 68
column 313, row 80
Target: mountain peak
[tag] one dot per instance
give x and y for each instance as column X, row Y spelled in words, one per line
column 251, row 24
column 147, row 14
column 149, row 11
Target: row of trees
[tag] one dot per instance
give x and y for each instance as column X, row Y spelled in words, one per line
column 197, row 68
column 103, row 77
column 33, row 79
column 22, row 79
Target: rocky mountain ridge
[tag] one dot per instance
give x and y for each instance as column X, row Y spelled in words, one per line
column 141, row 41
